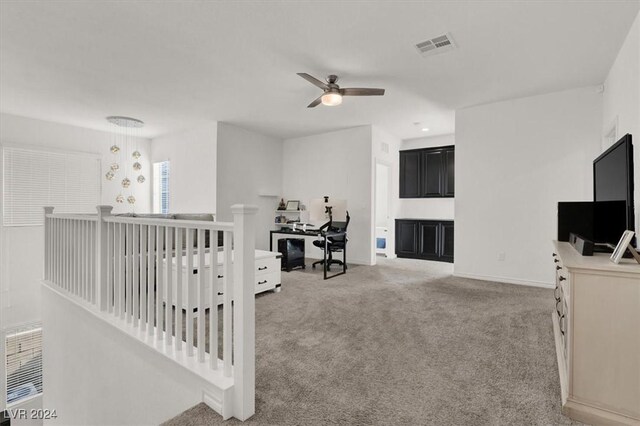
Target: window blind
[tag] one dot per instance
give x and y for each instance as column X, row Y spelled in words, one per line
column 23, row 351
column 161, row 187
column 32, row 179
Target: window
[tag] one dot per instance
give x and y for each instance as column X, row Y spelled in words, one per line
column 32, row 178
column 23, row 352
column 161, row 187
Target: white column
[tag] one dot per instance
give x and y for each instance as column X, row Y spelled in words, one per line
column 101, row 257
column 244, row 315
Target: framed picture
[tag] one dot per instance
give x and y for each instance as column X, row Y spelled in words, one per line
column 622, row 246
column 293, row 204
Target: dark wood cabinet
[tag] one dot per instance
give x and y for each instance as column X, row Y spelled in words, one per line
column 427, row 172
column 425, row 239
column 409, row 171
column 406, row 237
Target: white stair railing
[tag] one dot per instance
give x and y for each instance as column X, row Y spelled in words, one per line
column 134, row 269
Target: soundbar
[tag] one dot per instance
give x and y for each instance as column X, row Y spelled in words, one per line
column 581, row 244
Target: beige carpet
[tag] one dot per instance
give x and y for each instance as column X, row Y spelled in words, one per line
column 403, row 342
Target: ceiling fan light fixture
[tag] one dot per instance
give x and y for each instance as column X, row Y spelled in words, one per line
column 331, row 99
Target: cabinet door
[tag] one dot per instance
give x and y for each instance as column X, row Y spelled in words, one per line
column 406, row 238
column 409, row 174
column 449, row 173
column 429, row 240
column 446, row 241
column 432, row 174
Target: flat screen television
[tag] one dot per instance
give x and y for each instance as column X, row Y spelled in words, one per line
column 613, row 184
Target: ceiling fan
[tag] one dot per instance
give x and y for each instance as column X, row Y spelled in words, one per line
column 333, row 94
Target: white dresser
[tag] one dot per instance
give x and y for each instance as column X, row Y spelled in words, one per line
column 267, row 276
column 596, row 326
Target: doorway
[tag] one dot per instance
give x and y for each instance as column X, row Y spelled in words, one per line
column 382, row 202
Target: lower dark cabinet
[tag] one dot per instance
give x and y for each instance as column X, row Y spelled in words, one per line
column 424, row 239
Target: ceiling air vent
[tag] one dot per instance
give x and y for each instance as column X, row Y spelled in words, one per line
column 436, row 45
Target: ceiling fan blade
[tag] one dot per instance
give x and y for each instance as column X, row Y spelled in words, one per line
column 314, row 80
column 316, row 102
column 357, row 91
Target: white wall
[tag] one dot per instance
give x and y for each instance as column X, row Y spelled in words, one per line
column 621, row 102
column 192, row 176
column 427, row 208
column 21, row 249
column 95, row 374
column 249, row 172
column 514, row 161
column 385, row 148
column 337, row 164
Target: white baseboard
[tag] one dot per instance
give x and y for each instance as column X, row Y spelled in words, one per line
column 504, row 280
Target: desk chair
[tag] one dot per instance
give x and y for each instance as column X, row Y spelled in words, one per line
column 334, row 243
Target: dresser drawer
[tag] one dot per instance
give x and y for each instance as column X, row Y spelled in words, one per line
column 267, row 281
column 267, row 265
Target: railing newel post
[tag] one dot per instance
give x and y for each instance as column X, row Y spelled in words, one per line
column 101, row 256
column 244, row 318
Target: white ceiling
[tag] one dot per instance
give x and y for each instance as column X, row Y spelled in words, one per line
column 175, row 64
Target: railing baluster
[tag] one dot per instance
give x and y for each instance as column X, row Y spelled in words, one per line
column 123, row 271
column 110, row 265
column 179, row 269
column 84, row 261
column 66, row 254
column 151, row 309
column 129, row 274
column 143, row 276
column 213, row 299
column 159, row 280
column 189, row 317
column 201, row 295
column 117, row 293
column 135, row 253
column 226, row 309
column 169, row 281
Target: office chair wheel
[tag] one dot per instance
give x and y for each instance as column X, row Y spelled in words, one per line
column 313, row 265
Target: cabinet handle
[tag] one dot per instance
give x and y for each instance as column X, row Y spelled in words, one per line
column 554, row 254
column 262, row 268
column 558, row 268
column 555, row 295
column 561, row 322
column 220, row 294
column 195, row 271
column 561, row 278
column 262, row 282
column 220, row 276
column 555, row 261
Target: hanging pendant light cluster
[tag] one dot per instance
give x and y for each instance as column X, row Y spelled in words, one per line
column 125, row 139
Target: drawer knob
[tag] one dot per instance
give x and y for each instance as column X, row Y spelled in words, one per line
column 561, row 278
column 262, row 282
column 554, row 254
column 558, row 268
column 555, row 261
column 220, row 276
column 262, row 268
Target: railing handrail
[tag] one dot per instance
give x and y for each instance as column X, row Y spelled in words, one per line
column 75, row 216
column 176, row 223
